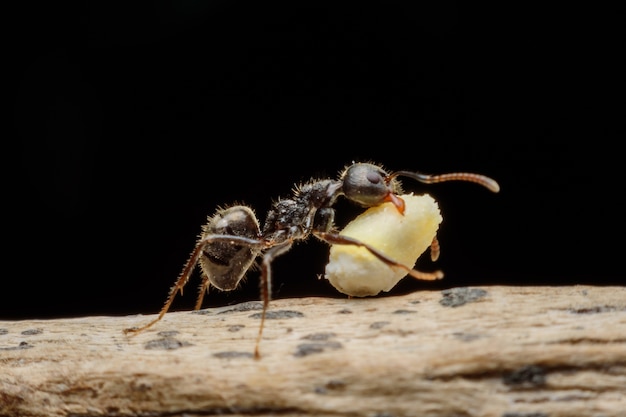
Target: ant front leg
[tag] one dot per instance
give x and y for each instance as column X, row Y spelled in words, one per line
column 336, row 239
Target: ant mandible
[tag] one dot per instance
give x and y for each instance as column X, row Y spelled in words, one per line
column 232, row 239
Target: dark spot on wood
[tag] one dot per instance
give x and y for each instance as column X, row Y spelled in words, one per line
column 204, row 312
column 235, row 328
column 589, row 340
column 168, row 333
column 306, row 349
column 3, row 331
column 415, row 302
column 141, row 387
column 456, row 297
column 528, row 376
column 345, row 311
column 379, row 324
column 279, row 314
column 319, row 336
column 247, row 306
column 31, row 332
column 335, row 384
column 593, row 310
column 22, row 345
column 231, row 354
column 166, row 343
column 332, row 385
column 525, row 415
column 466, row 337
column 11, row 401
column 404, row 311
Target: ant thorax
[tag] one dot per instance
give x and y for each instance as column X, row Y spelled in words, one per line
column 308, row 209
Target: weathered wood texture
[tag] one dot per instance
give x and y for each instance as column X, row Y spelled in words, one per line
column 489, row 351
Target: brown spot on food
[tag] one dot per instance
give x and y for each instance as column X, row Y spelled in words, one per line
column 379, row 324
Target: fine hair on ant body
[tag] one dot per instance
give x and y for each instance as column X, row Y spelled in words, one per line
column 233, row 239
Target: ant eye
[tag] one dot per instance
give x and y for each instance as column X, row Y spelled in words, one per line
column 366, row 184
column 373, row 177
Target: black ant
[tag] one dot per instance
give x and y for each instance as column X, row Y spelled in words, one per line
column 232, row 239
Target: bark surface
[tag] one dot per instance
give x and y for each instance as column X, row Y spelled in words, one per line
column 482, row 351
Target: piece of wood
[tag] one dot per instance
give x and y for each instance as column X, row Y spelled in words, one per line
column 486, row 351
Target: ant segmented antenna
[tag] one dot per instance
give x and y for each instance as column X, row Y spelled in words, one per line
column 483, row 180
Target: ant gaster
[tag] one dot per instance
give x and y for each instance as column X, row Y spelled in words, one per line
column 232, row 239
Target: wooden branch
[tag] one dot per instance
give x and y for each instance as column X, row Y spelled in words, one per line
column 487, row 351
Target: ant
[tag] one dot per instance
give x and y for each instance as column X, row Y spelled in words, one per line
column 232, row 239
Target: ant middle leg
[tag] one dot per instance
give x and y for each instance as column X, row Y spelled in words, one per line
column 265, row 284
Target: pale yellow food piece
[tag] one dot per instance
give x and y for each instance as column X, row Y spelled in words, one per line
column 355, row 271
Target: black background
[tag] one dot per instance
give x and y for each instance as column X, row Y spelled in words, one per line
column 134, row 123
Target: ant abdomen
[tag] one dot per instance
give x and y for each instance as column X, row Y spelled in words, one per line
column 225, row 263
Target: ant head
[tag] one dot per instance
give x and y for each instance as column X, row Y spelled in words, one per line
column 369, row 185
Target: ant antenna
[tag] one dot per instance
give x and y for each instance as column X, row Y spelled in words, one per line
column 486, row 182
